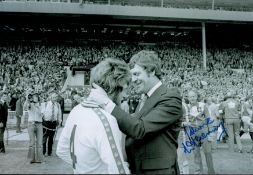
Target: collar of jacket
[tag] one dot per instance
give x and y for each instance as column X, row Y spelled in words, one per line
column 89, row 104
column 152, row 100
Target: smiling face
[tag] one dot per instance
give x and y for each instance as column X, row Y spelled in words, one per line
column 140, row 79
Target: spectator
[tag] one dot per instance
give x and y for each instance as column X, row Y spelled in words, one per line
column 198, row 116
column 14, row 99
column 19, row 112
column 51, row 119
column 231, row 109
column 213, row 114
column 33, row 106
column 3, row 119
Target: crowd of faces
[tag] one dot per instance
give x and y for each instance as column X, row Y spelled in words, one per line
column 41, row 67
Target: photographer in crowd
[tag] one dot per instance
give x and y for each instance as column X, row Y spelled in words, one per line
column 33, row 106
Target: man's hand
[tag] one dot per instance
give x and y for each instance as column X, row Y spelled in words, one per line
column 98, row 95
column 1, row 125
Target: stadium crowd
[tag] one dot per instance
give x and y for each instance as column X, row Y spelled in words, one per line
column 42, row 67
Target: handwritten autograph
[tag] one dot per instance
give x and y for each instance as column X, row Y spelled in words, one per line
column 196, row 140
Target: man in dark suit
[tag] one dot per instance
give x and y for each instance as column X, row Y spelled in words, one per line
column 152, row 132
column 3, row 119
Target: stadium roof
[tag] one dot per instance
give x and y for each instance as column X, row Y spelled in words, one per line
column 133, row 12
column 91, row 21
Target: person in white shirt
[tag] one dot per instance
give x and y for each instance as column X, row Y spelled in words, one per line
column 33, row 105
column 199, row 127
column 214, row 115
column 51, row 119
column 91, row 140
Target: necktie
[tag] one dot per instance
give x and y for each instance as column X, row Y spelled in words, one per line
column 143, row 100
column 52, row 117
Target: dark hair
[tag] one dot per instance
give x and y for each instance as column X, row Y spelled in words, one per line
column 148, row 60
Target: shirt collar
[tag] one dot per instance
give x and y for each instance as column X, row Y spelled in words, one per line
column 152, row 90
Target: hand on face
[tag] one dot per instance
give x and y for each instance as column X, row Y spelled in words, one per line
column 98, row 95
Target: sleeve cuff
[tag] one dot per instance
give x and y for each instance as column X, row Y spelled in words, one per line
column 109, row 107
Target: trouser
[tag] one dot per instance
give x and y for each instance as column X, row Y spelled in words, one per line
column 2, row 148
column 35, row 142
column 224, row 136
column 207, row 148
column 48, row 136
column 233, row 128
column 18, row 129
column 24, row 119
column 183, row 159
column 214, row 142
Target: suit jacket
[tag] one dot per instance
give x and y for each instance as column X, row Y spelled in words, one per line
column 151, row 143
column 3, row 113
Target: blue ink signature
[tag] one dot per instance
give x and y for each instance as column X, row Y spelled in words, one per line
column 197, row 140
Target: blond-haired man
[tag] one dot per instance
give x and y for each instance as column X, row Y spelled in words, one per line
column 91, row 140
